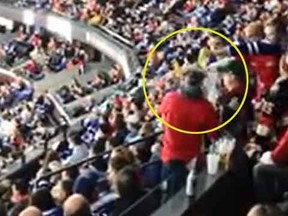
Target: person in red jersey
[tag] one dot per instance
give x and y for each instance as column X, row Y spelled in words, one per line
column 273, row 113
column 186, row 109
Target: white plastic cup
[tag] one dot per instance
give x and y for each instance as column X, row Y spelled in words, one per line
column 212, row 163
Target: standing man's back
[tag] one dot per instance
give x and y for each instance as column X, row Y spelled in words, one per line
column 186, row 109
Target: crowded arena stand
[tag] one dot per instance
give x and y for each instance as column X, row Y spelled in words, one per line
column 79, row 134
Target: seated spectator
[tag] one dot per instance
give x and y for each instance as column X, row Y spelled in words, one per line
column 141, row 152
column 56, row 62
column 22, row 49
column 100, row 164
column 112, row 143
column 71, row 174
column 105, row 199
column 98, row 82
column 97, row 17
column 120, row 127
column 78, row 89
column 43, row 200
column 22, row 91
column 65, row 94
column 20, row 191
column 79, row 151
column 69, row 51
column 31, row 211
column 43, row 108
column 32, row 70
column 133, row 132
column 6, row 97
column 152, row 171
column 62, row 190
column 116, row 74
column 76, row 205
column 52, row 45
column 35, row 40
column 119, row 158
column 189, row 6
column 265, row 210
column 128, row 185
column 85, row 184
column 88, row 133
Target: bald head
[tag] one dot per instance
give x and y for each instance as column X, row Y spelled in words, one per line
column 265, row 210
column 77, row 205
column 31, row 211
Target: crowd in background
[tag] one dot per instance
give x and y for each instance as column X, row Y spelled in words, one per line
column 28, row 119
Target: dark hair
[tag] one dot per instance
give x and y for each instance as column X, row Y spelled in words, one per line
column 128, row 182
column 76, row 138
column 115, row 141
column 67, row 186
column 99, row 146
column 72, row 173
column 42, row 199
column 119, row 122
column 191, row 86
column 192, row 56
column 3, row 211
column 104, row 127
column 21, row 186
column 143, row 152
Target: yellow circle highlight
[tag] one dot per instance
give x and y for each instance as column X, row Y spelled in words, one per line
column 150, row 56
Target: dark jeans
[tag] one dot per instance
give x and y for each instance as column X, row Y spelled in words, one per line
column 270, row 182
column 176, row 172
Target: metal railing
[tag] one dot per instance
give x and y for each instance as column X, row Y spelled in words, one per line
column 93, row 158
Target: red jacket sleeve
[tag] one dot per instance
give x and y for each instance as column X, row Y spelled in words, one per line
column 280, row 153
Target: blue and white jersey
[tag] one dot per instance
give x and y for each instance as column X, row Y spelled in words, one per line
column 262, row 47
column 89, row 137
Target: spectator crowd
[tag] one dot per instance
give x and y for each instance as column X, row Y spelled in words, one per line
column 113, row 182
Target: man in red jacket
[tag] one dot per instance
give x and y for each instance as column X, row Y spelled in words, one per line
column 186, row 109
column 271, row 174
